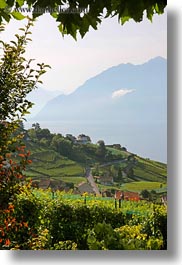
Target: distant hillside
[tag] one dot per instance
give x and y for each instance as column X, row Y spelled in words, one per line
column 126, row 104
column 40, row 97
column 64, row 160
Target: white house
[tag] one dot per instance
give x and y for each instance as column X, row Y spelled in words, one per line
column 83, row 139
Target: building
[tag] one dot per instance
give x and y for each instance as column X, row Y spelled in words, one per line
column 106, row 180
column 44, row 184
column 85, row 187
column 83, row 139
column 127, row 195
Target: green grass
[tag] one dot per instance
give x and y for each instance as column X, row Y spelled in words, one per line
column 137, row 186
column 74, row 180
column 74, row 170
column 159, row 168
column 50, row 163
column 107, row 187
column 148, row 173
column 114, row 151
column 142, row 185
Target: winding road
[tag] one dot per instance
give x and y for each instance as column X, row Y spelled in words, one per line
column 91, row 181
column 89, row 177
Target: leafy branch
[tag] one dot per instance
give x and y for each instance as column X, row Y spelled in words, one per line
column 79, row 15
column 17, row 79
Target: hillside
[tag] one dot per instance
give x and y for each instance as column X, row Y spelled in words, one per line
column 60, row 162
column 40, row 97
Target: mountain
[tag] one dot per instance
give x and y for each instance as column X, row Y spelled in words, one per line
column 127, row 91
column 40, row 97
column 127, row 102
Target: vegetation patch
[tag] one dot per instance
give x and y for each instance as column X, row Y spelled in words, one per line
column 143, row 185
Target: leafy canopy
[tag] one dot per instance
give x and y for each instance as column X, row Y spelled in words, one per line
column 76, row 16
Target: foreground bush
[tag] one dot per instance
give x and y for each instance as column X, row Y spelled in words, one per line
column 39, row 223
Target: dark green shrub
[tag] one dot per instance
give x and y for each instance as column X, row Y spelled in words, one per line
column 103, row 237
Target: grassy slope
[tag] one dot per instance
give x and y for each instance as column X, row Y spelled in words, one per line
column 150, row 170
column 48, row 163
column 148, row 174
column 143, row 185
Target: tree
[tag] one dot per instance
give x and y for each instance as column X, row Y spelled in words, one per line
column 43, row 133
column 65, row 147
column 36, row 126
column 32, row 135
column 145, row 194
column 128, row 170
column 61, row 145
column 101, row 150
column 79, row 15
column 112, row 171
column 17, row 79
column 120, row 174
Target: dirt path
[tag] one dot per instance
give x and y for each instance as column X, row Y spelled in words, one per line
column 91, row 181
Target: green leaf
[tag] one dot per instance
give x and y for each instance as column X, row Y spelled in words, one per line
column 3, row 4
column 54, row 15
column 73, row 23
column 150, row 13
column 124, row 19
column 20, row 2
column 157, row 8
column 62, row 29
column 5, row 16
column 17, row 15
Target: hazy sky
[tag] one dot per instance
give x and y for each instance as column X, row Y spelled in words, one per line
column 74, row 62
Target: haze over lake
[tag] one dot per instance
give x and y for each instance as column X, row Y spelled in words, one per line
column 126, row 104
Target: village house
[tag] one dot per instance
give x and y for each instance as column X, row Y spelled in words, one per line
column 57, row 185
column 85, row 187
column 106, row 180
column 83, row 139
column 53, row 184
column 44, row 184
column 106, row 193
column 127, row 195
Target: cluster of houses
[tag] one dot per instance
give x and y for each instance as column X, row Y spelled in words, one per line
column 123, row 195
column 85, row 187
column 80, row 139
column 45, row 183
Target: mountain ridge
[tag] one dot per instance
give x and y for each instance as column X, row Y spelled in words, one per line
column 125, row 104
column 103, row 86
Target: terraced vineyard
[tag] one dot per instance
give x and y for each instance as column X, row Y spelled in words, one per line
column 150, row 170
column 61, row 160
column 52, row 165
